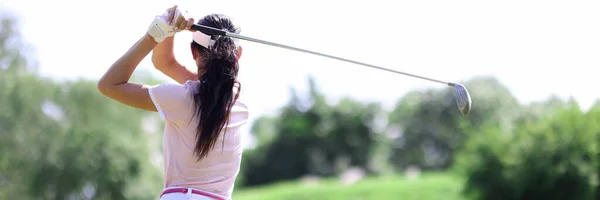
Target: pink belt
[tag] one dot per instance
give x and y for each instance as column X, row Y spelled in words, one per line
column 185, row 190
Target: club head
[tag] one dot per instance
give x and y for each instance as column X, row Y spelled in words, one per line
column 463, row 99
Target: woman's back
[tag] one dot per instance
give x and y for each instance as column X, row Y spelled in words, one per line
column 215, row 173
column 203, row 116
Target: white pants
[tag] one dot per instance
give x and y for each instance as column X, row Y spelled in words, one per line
column 184, row 196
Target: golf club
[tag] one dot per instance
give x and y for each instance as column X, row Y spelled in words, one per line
column 463, row 99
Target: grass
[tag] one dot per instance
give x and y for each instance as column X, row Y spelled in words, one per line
column 429, row 186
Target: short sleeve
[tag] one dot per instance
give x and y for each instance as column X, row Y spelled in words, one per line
column 172, row 101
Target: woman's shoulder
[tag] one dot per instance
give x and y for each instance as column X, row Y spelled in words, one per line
column 185, row 85
column 174, row 90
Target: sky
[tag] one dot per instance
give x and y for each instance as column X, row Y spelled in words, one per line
column 537, row 48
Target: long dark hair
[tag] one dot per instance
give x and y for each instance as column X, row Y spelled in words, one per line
column 214, row 96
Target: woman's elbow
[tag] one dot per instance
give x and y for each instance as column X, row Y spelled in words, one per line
column 102, row 86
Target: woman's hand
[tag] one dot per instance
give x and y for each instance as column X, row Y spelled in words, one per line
column 179, row 19
column 163, row 57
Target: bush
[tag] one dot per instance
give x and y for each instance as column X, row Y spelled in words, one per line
column 551, row 158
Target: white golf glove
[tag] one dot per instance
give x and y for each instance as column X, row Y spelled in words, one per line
column 159, row 29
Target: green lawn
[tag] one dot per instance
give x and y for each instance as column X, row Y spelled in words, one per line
column 429, row 186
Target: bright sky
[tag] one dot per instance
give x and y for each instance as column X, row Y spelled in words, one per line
column 537, row 48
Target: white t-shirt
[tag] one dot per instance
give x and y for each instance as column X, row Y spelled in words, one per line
column 215, row 173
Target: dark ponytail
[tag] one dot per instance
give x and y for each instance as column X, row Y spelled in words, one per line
column 214, row 96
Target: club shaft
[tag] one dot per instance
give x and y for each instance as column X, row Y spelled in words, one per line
column 210, row 30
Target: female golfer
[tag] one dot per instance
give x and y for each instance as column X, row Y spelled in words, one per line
column 203, row 112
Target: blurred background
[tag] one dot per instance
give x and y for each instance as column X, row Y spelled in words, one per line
column 320, row 128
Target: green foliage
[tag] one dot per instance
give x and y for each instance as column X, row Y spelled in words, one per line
column 13, row 50
column 432, row 128
column 313, row 137
column 264, row 129
column 428, row 186
column 551, row 158
column 64, row 140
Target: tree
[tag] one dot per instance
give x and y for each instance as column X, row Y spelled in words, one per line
column 64, row 140
column 14, row 108
column 312, row 137
column 549, row 158
column 432, row 128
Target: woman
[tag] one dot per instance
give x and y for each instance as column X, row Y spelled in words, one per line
column 203, row 112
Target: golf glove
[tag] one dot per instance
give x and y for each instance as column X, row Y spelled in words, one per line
column 159, row 29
